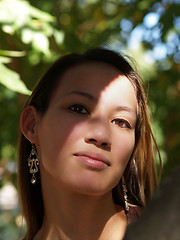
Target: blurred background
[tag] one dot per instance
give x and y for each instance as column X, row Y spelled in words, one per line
column 33, row 34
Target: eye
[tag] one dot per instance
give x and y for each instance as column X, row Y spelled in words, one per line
column 121, row 123
column 78, row 108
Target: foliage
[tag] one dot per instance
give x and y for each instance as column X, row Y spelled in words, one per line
column 34, row 33
column 9, row 78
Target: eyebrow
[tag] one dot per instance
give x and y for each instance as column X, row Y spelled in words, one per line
column 127, row 109
column 83, row 94
column 95, row 99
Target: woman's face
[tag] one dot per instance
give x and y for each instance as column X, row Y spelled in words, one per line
column 87, row 135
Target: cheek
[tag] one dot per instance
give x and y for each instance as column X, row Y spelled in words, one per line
column 121, row 152
column 55, row 139
column 123, row 148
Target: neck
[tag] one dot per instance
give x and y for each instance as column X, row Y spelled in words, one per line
column 76, row 216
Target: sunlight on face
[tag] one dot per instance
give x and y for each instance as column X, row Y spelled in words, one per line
column 87, row 135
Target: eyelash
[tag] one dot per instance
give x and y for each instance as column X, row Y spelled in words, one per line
column 80, row 109
column 121, row 123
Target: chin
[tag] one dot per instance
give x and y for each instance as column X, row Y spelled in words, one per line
column 92, row 192
column 93, row 188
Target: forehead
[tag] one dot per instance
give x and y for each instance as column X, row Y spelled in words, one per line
column 86, row 74
column 98, row 79
column 97, row 66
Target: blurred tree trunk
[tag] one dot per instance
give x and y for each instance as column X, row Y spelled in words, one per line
column 161, row 218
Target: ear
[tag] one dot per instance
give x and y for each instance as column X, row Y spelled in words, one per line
column 29, row 122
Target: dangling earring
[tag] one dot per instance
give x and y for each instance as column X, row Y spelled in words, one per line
column 33, row 163
column 125, row 194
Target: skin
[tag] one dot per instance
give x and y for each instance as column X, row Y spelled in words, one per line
column 84, row 142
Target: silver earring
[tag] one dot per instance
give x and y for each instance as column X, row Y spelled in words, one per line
column 125, row 194
column 33, row 163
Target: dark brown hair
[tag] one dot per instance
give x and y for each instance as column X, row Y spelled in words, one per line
column 140, row 173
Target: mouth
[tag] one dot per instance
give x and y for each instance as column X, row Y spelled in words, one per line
column 93, row 160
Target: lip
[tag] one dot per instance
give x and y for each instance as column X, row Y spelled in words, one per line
column 93, row 160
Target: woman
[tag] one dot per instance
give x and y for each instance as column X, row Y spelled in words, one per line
column 86, row 162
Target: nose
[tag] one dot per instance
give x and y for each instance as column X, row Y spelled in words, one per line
column 99, row 134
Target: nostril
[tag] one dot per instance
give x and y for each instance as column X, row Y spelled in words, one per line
column 104, row 144
column 92, row 140
column 99, row 143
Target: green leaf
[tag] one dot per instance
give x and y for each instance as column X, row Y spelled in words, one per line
column 27, row 35
column 35, row 12
column 41, row 42
column 11, row 80
column 12, row 53
column 59, row 36
column 15, row 14
column 4, row 60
